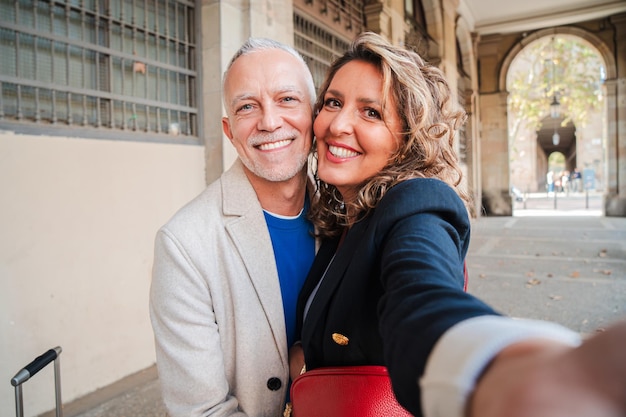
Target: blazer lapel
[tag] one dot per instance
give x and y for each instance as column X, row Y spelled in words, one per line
column 248, row 230
column 334, row 274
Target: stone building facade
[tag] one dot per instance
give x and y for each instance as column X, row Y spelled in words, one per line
column 110, row 120
column 475, row 66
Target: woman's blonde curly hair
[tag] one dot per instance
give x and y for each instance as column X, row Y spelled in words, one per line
column 430, row 119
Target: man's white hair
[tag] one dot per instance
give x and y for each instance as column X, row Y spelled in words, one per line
column 264, row 44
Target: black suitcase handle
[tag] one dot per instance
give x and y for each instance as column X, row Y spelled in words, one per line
column 40, row 362
column 35, row 366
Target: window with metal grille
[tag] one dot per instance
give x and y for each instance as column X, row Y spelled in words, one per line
column 318, row 46
column 105, row 68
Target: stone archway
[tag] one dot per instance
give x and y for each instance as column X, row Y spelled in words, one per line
column 529, row 149
column 586, row 148
column 594, row 41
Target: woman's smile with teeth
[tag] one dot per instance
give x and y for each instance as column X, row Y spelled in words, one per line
column 341, row 152
column 274, row 145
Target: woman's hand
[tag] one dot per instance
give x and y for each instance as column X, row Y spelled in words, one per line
column 296, row 360
column 539, row 378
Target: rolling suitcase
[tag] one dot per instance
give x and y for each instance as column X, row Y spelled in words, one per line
column 30, row 370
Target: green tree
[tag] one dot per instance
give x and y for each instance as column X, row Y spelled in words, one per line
column 564, row 66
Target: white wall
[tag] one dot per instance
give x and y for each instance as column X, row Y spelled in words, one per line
column 77, row 224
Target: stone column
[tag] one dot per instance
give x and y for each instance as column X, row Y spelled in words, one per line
column 616, row 107
column 209, row 86
column 494, row 158
column 494, row 155
column 610, row 94
column 472, row 151
column 449, row 58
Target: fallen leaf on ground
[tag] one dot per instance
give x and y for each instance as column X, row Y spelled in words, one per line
column 575, row 274
column 532, row 282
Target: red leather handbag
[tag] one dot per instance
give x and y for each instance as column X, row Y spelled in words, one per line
column 349, row 391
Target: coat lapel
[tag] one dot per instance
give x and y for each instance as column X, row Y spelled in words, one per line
column 247, row 228
column 334, row 274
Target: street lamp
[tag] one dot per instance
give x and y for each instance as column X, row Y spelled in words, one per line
column 555, row 108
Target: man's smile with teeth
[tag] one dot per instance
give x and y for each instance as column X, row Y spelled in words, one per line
column 274, row 145
column 341, row 152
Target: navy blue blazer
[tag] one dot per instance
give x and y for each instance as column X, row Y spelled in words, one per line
column 394, row 287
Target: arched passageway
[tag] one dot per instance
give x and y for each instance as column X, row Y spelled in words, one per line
column 554, row 138
column 567, row 70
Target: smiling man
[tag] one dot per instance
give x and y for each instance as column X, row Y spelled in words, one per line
column 229, row 265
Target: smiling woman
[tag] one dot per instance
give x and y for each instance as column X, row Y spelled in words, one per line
column 381, row 119
column 386, row 288
column 356, row 136
column 391, row 214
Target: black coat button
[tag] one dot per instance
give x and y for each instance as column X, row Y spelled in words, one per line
column 274, row 384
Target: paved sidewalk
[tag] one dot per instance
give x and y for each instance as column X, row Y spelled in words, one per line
column 571, row 270
column 567, row 266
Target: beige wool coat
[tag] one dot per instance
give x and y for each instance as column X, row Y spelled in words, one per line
column 216, row 308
